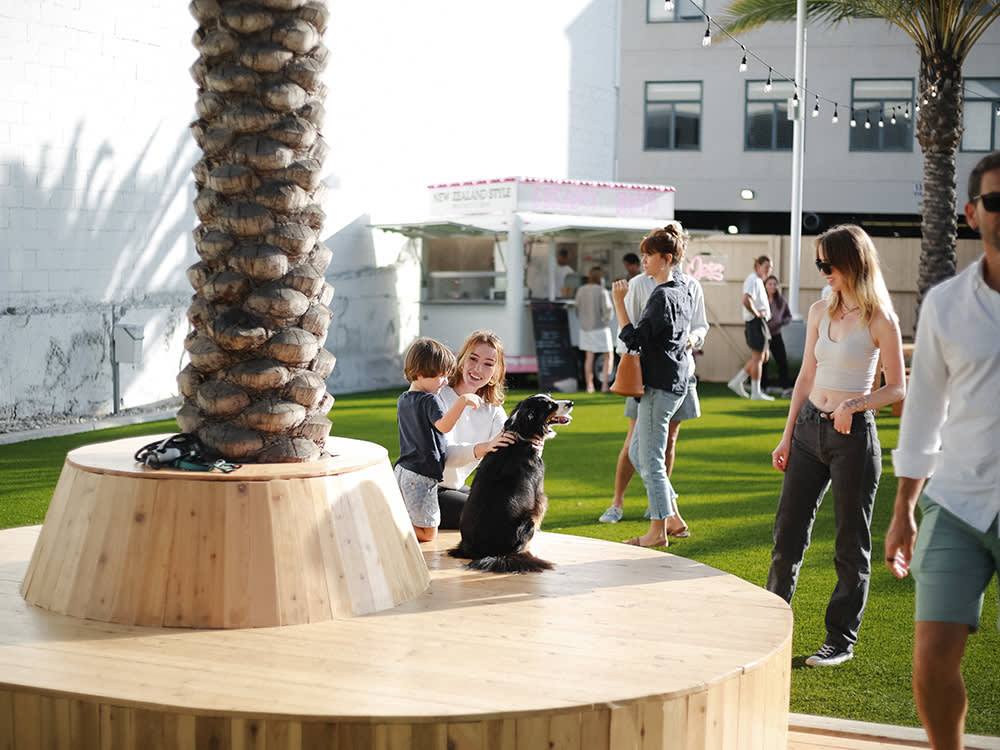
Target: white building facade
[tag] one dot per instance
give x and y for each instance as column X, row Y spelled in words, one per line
column 689, row 117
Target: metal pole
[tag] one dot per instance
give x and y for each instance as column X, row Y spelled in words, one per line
column 115, row 383
column 515, row 283
column 798, row 151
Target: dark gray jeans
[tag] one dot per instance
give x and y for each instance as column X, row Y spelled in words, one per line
column 821, row 456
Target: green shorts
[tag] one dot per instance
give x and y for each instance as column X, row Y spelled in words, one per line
column 952, row 565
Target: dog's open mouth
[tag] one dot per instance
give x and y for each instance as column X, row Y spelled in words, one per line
column 560, row 419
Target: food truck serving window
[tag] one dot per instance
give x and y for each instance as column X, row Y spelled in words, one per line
column 464, row 268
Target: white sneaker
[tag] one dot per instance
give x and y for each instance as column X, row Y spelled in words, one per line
column 829, row 656
column 761, row 397
column 611, row 515
column 738, row 389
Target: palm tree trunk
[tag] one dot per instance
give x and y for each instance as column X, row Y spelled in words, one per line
column 255, row 389
column 939, row 131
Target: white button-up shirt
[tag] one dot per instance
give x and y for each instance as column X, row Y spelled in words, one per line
column 951, row 421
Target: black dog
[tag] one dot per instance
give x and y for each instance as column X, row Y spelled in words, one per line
column 506, row 501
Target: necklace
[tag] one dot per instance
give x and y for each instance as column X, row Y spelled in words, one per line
column 847, row 311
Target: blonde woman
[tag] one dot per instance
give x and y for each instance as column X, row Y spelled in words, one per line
column 830, row 437
column 480, row 369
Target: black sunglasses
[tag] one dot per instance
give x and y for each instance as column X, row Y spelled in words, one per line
column 824, row 266
column 991, row 202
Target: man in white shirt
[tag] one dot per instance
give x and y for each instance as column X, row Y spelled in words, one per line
column 948, row 433
column 756, row 313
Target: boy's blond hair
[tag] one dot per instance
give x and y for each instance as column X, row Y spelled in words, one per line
column 427, row 358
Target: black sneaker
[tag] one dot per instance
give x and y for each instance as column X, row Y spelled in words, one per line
column 829, row 656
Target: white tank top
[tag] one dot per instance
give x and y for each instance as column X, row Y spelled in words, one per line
column 848, row 365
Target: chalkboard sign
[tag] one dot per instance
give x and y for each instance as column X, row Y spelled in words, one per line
column 555, row 354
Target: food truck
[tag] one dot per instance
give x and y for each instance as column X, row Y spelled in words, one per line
column 490, row 251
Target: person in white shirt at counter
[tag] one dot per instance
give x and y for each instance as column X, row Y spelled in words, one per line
column 594, row 310
column 948, row 433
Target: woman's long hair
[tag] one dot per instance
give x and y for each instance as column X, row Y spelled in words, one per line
column 851, row 251
column 669, row 240
column 495, row 391
column 777, row 289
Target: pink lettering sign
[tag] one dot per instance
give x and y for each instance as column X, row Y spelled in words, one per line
column 705, row 270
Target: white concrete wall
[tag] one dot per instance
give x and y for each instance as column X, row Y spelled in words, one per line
column 95, row 199
column 835, row 178
column 96, row 190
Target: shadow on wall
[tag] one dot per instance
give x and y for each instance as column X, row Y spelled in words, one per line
column 375, row 309
column 85, row 242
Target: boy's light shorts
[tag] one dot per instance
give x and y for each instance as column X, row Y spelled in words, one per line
column 420, row 495
column 690, row 407
column 952, row 565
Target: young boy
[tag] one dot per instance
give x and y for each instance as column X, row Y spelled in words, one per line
column 422, row 424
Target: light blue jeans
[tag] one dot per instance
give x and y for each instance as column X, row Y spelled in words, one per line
column 649, row 443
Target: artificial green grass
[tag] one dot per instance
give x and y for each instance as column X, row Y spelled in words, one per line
column 728, row 493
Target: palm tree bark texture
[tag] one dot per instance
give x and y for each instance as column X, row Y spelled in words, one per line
column 944, row 32
column 255, row 387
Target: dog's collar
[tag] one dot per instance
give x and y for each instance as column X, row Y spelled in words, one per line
column 523, row 439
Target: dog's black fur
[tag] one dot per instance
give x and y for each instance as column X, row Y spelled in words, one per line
column 506, row 501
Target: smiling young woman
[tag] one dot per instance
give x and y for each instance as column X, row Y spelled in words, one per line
column 481, row 370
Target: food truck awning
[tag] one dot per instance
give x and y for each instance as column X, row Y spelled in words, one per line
column 536, row 224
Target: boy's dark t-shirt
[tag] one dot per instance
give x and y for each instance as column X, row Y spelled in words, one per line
column 421, row 445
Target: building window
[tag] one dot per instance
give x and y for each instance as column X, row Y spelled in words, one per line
column 767, row 125
column 683, row 10
column 981, row 115
column 673, row 115
column 882, row 110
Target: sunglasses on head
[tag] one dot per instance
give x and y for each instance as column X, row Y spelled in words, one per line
column 824, row 266
column 991, row 202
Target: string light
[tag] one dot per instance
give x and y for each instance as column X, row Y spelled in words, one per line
column 706, row 41
column 998, row 109
column 668, row 6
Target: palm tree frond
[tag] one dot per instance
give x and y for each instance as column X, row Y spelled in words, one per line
column 744, row 15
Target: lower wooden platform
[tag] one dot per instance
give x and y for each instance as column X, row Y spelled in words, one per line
column 616, row 648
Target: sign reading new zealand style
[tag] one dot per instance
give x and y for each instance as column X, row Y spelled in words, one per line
column 552, row 196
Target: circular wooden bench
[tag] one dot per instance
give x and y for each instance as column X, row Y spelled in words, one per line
column 268, row 544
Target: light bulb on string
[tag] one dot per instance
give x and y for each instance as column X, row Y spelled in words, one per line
column 835, row 115
column 868, row 121
column 668, row 6
column 768, row 85
column 892, row 120
column 881, row 119
column 854, row 121
column 998, row 109
column 743, row 62
column 706, row 41
column 906, row 112
column 816, row 108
